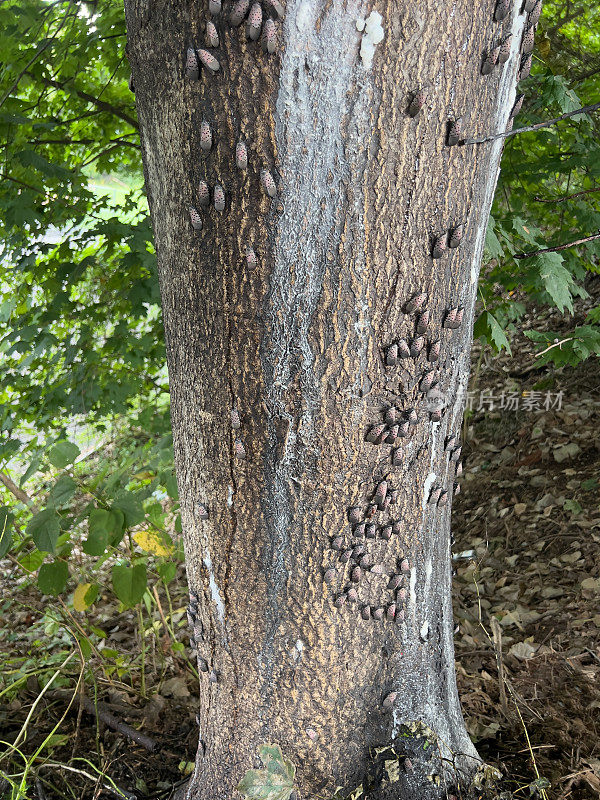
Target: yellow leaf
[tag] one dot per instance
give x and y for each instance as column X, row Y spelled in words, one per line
column 79, row 594
column 152, row 542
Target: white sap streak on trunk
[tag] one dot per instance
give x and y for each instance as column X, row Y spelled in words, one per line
column 316, row 73
column 214, row 587
column 504, row 102
column 429, row 481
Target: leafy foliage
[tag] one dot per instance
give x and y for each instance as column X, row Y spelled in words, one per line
column 275, row 781
column 548, row 192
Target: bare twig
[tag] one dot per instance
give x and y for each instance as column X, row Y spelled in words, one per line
column 497, row 637
column 567, row 197
column 121, row 727
column 556, row 344
column 18, row 493
column 558, row 247
column 547, row 124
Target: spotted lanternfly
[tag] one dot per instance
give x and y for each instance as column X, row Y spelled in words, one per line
column 203, row 193
column 254, row 23
column 378, row 613
column 340, row 600
column 415, row 303
column 354, row 515
column 251, row 261
column 269, row 37
column 345, row 556
column 238, row 12
column 195, row 219
column 366, row 612
column 423, row 321
column 459, row 317
column 457, row 488
column 213, row 678
column 397, row 527
column 502, row 9
column 239, row 449
column 377, row 434
column 459, row 469
column 450, row 318
column 386, row 532
column 490, row 61
column 268, row 183
column 435, row 416
column 219, row 197
column 377, row 569
column 397, row 458
column 208, row 60
column 434, row 494
column 426, row 381
column 329, row 575
column 337, row 543
column 439, row 246
column 212, row 37
column 517, row 106
column 403, row 349
column 391, row 356
column 404, row 565
column 408, row 765
column 214, row 6
column 370, row 531
column 380, row 493
column 455, row 454
column 365, row 561
column 395, row 582
column 416, row 104
column 505, row 46
column 202, row 511
column 390, row 611
column 443, row 498
column 416, row 346
column 536, row 13
column 192, row 70
column 456, row 235
column 359, row 551
column 371, row 511
column 528, row 6
column 404, row 429
column 451, row 442
column 392, row 434
column 277, row 7
column 391, row 415
column 356, row 575
column 525, row 66
column 401, row 595
column 193, row 644
column 205, row 135
column 434, row 351
column 393, row 496
column 528, row 39
column 130, row 84
column 359, row 530
column 202, row 664
column 455, row 132
column 412, row 416
column 241, row 155
column 352, row 595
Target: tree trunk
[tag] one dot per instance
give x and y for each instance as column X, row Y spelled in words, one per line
column 315, row 630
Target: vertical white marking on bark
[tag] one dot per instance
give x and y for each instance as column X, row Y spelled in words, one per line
column 429, row 481
column 214, row 588
column 373, row 34
column 312, row 103
column 507, row 91
column 413, row 586
column 230, row 496
column 424, row 632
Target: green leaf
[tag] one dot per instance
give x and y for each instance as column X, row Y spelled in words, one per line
column 556, row 278
column 488, row 328
column 492, row 243
column 63, row 454
column 129, row 583
column 100, row 525
column 44, row 527
column 52, row 578
column 62, row 491
column 275, row 782
column 6, row 522
column 167, row 571
column 131, row 508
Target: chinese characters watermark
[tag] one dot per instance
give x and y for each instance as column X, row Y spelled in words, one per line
column 486, row 400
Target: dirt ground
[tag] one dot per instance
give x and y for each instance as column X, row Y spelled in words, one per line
column 527, row 591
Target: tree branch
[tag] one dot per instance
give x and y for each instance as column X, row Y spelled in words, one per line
column 18, row 493
column 537, row 126
column 558, row 247
column 101, row 104
column 567, row 197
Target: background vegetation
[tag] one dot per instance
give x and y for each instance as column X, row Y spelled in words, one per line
column 88, row 499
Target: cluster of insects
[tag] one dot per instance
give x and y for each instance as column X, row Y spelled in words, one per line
column 198, row 634
column 261, row 23
column 358, row 567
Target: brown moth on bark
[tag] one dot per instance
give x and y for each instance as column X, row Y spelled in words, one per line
column 339, row 195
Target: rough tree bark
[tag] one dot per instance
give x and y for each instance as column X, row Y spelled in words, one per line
column 281, row 311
